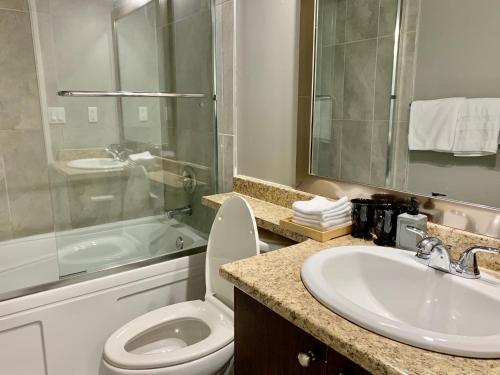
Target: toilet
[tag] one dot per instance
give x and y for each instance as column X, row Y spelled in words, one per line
column 193, row 337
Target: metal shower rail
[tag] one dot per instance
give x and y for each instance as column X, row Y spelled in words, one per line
column 129, row 94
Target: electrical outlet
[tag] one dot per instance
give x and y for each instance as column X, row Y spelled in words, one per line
column 143, row 114
column 92, row 114
column 57, row 115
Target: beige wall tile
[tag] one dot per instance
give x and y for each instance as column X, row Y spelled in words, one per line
column 5, row 225
column 226, row 162
column 26, row 173
column 14, row 4
column 19, row 101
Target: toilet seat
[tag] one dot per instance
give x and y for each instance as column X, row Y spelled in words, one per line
column 221, row 334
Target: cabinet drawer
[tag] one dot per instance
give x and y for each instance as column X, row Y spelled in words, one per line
column 266, row 343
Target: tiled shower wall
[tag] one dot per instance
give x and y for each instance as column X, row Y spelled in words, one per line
column 354, row 70
column 25, row 206
column 225, row 78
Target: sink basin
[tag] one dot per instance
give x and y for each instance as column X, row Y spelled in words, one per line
column 386, row 291
column 96, row 163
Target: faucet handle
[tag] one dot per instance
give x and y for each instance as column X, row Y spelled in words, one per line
column 426, row 243
column 467, row 263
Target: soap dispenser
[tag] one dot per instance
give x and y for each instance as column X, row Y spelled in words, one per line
column 405, row 239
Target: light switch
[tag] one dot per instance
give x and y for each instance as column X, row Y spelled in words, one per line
column 143, row 113
column 57, row 115
column 92, row 114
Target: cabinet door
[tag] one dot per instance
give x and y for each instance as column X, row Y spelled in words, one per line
column 266, row 343
column 340, row 365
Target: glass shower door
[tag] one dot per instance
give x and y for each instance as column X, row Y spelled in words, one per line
column 128, row 173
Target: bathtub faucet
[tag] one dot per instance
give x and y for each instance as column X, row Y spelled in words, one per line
column 176, row 212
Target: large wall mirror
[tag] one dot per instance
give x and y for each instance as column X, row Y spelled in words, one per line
column 406, row 96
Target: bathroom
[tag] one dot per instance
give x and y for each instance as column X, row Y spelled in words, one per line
column 127, row 125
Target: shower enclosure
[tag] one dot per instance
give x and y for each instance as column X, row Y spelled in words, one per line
column 109, row 137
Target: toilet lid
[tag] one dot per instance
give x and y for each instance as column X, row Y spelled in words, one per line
column 233, row 237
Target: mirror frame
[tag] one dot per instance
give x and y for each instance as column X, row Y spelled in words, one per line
column 480, row 216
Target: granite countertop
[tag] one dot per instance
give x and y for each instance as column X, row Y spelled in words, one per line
column 274, row 280
column 161, row 176
column 267, row 215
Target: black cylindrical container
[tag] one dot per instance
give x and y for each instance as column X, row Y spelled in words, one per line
column 362, row 218
column 385, row 221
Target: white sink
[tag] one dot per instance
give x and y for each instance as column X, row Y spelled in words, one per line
column 96, row 163
column 386, row 291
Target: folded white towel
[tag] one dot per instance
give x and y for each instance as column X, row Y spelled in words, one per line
column 324, row 225
column 318, row 205
column 433, row 124
column 341, row 218
column 328, row 215
column 141, row 156
column 478, row 128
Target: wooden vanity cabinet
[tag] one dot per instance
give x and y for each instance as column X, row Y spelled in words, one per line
column 266, row 343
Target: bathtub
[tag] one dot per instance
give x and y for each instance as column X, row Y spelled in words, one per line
column 28, row 261
column 62, row 328
column 35, row 260
column 103, row 246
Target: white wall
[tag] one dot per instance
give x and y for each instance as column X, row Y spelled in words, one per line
column 266, row 88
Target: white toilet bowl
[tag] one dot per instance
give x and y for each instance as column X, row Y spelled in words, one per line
column 194, row 337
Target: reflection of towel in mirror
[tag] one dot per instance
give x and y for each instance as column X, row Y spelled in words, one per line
column 478, row 128
column 433, row 124
column 464, row 127
column 136, row 201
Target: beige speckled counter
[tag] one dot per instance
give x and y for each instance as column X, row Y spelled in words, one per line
column 274, row 280
column 267, row 215
column 161, row 176
column 272, row 202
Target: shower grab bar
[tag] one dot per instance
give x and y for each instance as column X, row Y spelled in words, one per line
column 120, row 94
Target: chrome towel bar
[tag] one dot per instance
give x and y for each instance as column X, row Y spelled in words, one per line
column 121, row 94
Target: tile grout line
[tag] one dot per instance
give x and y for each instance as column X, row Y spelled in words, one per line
column 7, row 197
column 343, row 92
column 359, row 40
column 374, row 92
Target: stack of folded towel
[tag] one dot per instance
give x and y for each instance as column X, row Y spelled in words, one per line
column 321, row 213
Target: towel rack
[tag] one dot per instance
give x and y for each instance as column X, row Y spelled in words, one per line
column 129, row 94
column 323, row 97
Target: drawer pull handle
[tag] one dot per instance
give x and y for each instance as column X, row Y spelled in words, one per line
column 305, row 359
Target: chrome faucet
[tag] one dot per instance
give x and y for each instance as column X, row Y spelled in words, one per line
column 183, row 211
column 118, row 151
column 433, row 253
